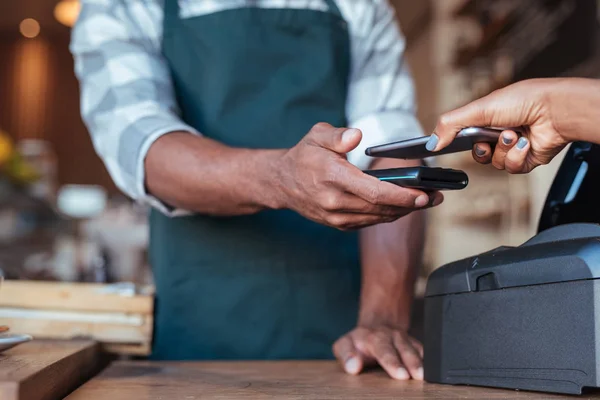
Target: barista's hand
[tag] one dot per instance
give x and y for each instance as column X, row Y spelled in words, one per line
column 391, row 347
column 316, row 180
column 534, row 106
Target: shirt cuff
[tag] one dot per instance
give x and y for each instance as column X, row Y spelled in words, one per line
column 145, row 197
column 382, row 128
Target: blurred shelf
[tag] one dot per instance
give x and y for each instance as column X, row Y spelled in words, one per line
column 488, row 43
column 495, row 86
column 118, row 316
column 479, row 214
column 418, row 24
column 466, row 7
column 493, row 211
column 589, row 68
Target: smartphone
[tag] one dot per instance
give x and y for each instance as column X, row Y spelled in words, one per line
column 415, row 148
column 423, row 178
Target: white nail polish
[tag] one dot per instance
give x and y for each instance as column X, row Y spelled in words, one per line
column 419, row 374
column 421, row 201
column 402, row 374
column 352, row 366
column 349, row 135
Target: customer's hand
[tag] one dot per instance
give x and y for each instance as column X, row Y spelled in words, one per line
column 316, row 180
column 400, row 355
column 537, row 107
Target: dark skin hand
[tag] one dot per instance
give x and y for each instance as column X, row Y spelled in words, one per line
column 390, row 255
column 313, row 178
column 550, row 112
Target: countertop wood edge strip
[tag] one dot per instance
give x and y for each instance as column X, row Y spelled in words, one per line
column 64, row 376
column 58, row 379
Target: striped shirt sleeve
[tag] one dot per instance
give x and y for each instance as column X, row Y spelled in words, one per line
column 127, row 98
column 381, row 99
column 128, row 101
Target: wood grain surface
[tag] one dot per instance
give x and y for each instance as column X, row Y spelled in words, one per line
column 67, row 296
column 46, row 370
column 268, row 380
column 121, row 320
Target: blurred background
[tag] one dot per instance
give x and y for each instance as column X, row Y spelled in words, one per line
column 62, row 219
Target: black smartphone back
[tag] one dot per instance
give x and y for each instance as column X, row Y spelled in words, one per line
column 415, row 148
column 423, row 178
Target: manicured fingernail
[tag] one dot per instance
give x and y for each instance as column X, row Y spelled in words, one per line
column 349, row 135
column 522, row 143
column 479, row 151
column 402, row 374
column 419, row 374
column 352, row 366
column 506, row 140
column 422, row 201
column 432, row 142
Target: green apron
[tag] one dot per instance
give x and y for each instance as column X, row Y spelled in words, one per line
column 272, row 285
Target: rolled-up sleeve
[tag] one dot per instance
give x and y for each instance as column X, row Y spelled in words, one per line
column 127, row 98
column 381, row 97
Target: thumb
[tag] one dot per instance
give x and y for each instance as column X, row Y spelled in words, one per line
column 347, row 354
column 354, row 365
column 339, row 140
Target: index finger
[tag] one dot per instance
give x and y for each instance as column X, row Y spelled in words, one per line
column 506, row 107
column 382, row 349
column 410, row 355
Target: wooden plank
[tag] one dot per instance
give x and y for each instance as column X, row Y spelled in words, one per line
column 102, row 332
column 47, row 370
column 268, row 380
column 73, row 316
column 105, row 313
column 142, row 349
column 130, row 339
column 74, row 297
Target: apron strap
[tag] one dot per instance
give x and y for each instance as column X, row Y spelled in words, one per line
column 332, row 7
column 172, row 9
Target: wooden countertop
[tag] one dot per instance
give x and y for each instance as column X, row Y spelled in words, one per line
column 47, row 369
column 261, row 380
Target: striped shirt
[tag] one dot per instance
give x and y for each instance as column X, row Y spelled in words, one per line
column 127, row 97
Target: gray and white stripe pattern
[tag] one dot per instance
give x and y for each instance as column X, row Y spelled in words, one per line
column 127, row 98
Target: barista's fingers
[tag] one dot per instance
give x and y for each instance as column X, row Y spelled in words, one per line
column 380, row 346
column 506, row 142
column 348, row 355
column 409, row 354
column 417, row 345
column 482, row 153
